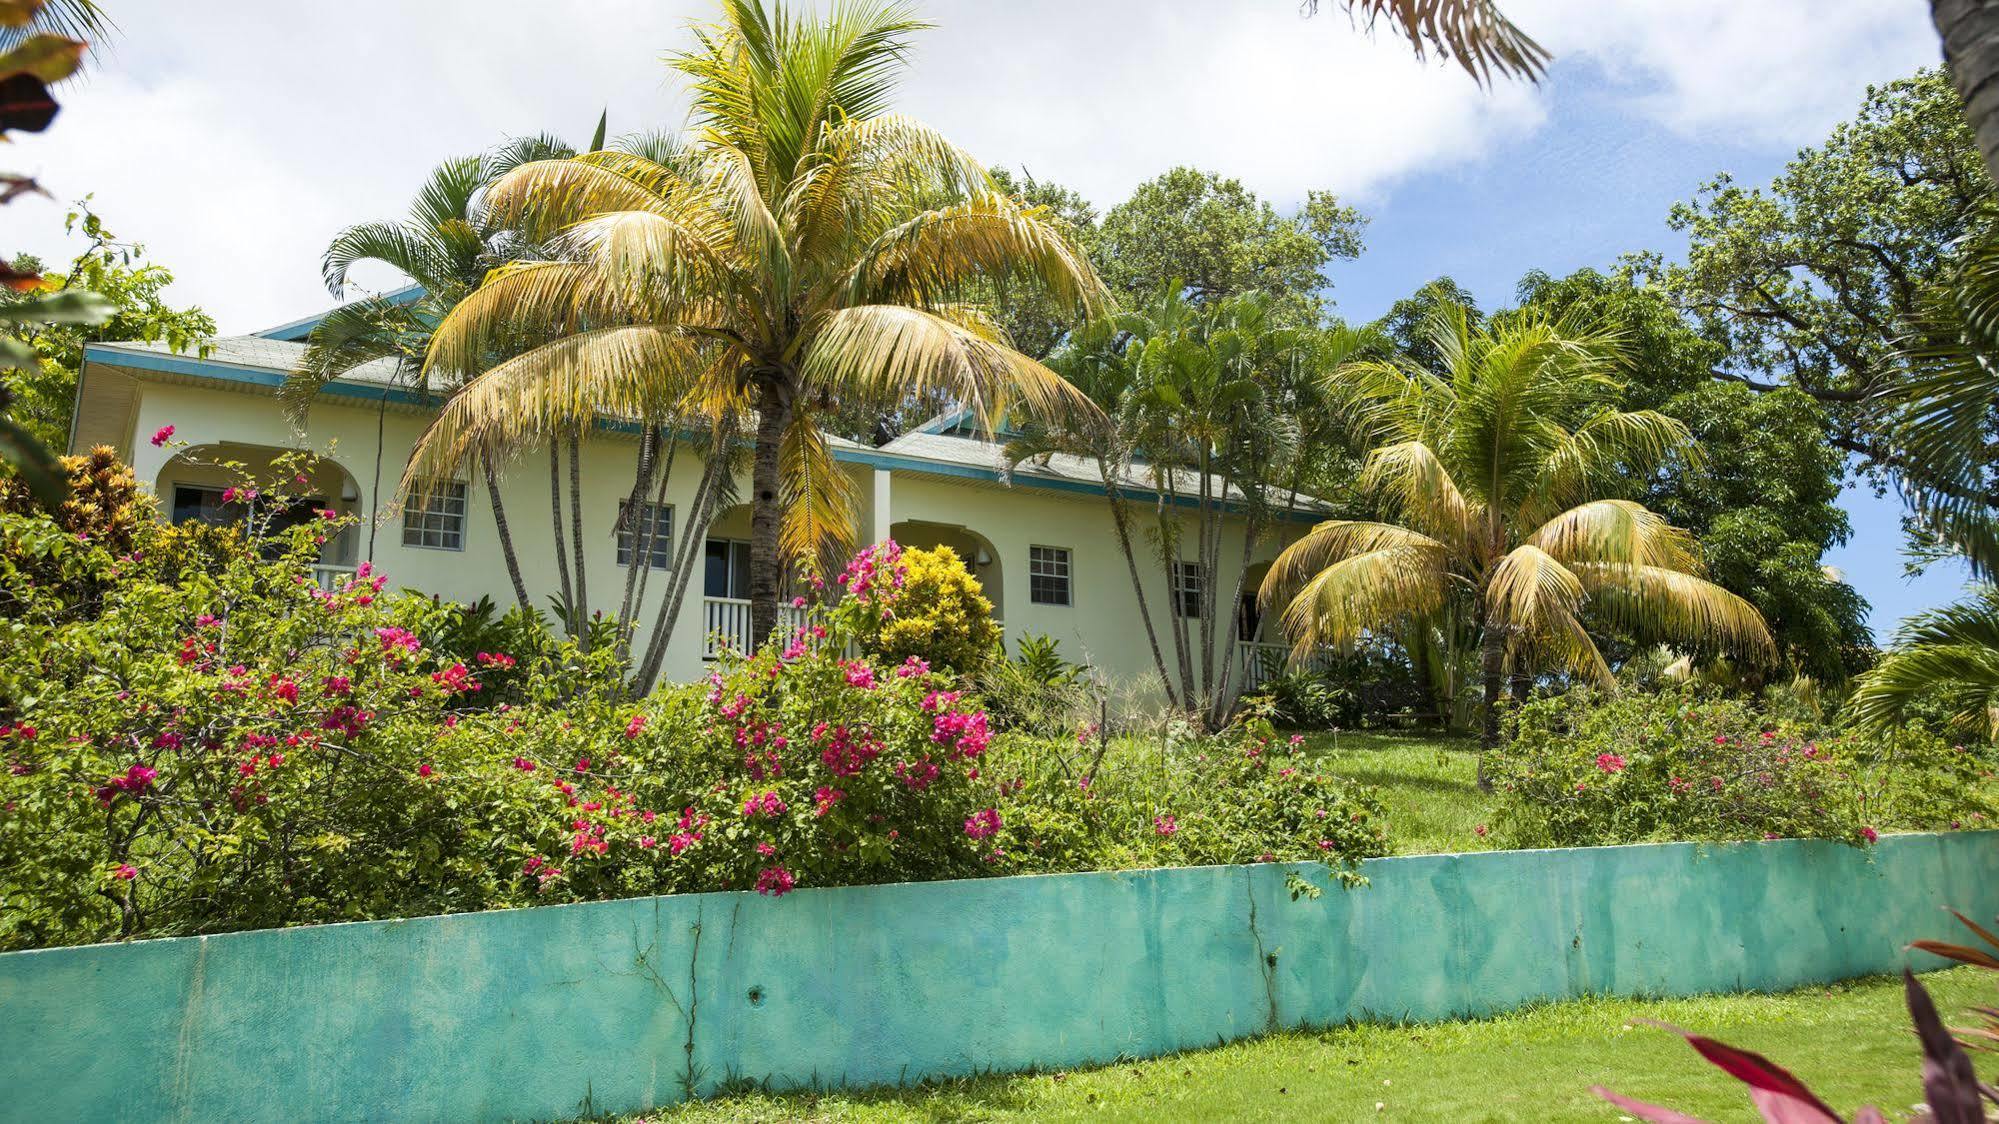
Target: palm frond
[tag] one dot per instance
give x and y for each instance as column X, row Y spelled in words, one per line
column 819, row 499
column 1617, row 532
column 1413, row 478
column 1376, row 589
column 1475, row 33
column 1656, row 601
column 414, row 254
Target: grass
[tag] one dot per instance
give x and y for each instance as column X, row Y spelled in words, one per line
column 1850, row 1042
column 1428, row 781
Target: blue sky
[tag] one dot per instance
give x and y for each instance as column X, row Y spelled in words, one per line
column 234, row 137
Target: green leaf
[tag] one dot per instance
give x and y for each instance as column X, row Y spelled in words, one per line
column 73, row 306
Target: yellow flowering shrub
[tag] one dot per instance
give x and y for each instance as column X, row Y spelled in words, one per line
column 935, row 611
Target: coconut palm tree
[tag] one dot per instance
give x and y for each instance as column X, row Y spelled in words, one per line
column 806, row 249
column 1501, row 466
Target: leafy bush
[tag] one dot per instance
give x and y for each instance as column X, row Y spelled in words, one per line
column 1304, row 699
column 1037, row 691
column 103, row 504
column 1585, row 769
column 928, row 606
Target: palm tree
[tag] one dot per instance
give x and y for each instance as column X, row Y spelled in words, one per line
column 806, row 249
column 444, row 248
column 1500, row 466
column 1950, row 655
column 1970, row 33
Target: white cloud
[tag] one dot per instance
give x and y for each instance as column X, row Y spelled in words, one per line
column 234, row 137
column 1776, row 72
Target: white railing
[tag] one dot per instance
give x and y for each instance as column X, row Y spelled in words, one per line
column 725, row 623
column 331, row 576
column 1260, row 663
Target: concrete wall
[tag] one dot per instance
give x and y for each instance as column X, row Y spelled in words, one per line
column 619, row 1006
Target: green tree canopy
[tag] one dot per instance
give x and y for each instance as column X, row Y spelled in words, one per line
column 135, row 287
column 1218, row 239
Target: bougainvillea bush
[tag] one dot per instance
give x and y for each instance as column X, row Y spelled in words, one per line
column 197, row 738
column 1585, row 769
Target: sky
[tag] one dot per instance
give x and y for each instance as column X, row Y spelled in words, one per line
column 234, row 137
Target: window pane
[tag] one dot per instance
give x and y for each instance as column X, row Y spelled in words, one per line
column 715, row 574
column 739, row 569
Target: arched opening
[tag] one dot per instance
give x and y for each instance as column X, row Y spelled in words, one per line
column 229, row 482
column 974, row 549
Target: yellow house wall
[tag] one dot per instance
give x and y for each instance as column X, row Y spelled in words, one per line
column 1101, row 626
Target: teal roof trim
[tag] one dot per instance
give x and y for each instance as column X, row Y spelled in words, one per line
column 874, row 458
column 299, row 329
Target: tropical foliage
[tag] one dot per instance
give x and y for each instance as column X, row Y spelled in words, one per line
column 1496, row 464
column 805, row 248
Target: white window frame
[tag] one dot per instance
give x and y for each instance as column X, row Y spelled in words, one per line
column 1182, row 589
column 436, row 500
column 1052, row 563
column 628, row 536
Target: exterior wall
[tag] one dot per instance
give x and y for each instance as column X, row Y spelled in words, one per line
column 371, row 445
column 622, row 1006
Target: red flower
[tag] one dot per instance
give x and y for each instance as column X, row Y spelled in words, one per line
column 126, row 871
column 1869, row 834
column 162, row 435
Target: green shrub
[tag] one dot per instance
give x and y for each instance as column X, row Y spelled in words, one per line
column 927, row 605
column 1303, row 699
column 1585, row 769
column 1038, row 691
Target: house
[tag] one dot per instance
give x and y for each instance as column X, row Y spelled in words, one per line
column 1039, row 537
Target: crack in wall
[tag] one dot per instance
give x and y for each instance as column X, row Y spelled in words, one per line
column 1266, row 959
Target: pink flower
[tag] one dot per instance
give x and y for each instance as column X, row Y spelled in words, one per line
column 826, row 798
column 284, row 690
column 633, row 727
column 914, row 665
column 768, row 804
column 523, row 764
column 126, row 871
column 860, row 674
column 423, row 770
column 798, row 602
column 1610, row 762
column 162, row 435
column 1165, row 825
column 983, row 824
column 1479, row 831
column 1871, row 835
column 766, row 850
column 775, row 881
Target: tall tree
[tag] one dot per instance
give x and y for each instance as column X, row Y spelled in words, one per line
column 1215, row 237
column 1497, row 466
column 1808, row 282
column 812, row 249
column 1763, row 496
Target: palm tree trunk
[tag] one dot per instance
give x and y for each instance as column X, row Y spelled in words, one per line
column 506, row 535
column 576, row 537
column 561, row 553
column 766, row 516
column 1225, row 685
column 1492, row 661
column 693, row 539
column 634, row 521
column 1970, row 31
column 1121, row 523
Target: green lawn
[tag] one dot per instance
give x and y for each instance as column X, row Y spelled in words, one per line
column 1850, row 1042
column 1429, row 783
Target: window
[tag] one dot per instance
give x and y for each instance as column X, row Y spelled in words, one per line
column 727, row 572
column 194, row 504
column 1048, row 575
column 1189, row 583
column 434, row 515
column 632, row 530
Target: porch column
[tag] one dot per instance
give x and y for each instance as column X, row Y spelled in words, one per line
column 879, row 516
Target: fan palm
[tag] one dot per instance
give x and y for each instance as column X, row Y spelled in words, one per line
column 1950, row 655
column 1473, row 32
column 1500, row 465
column 807, row 248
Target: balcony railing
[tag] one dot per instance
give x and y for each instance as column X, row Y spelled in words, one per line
column 725, row 624
column 331, row 576
column 1261, row 663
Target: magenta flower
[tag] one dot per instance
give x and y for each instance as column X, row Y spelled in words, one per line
column 1610, row 762
column 768, row 804
column 1871, row 835
column 860, row 674
column 983, row 824
column 423, row 770
column 633, row 727
column 162, row 435
column 1165, row 825
column 775, row 881
column 126, row 871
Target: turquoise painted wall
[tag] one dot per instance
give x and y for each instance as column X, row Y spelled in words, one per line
column 615, row 1005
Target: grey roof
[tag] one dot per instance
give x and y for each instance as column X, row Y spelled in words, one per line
column 280, row 356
